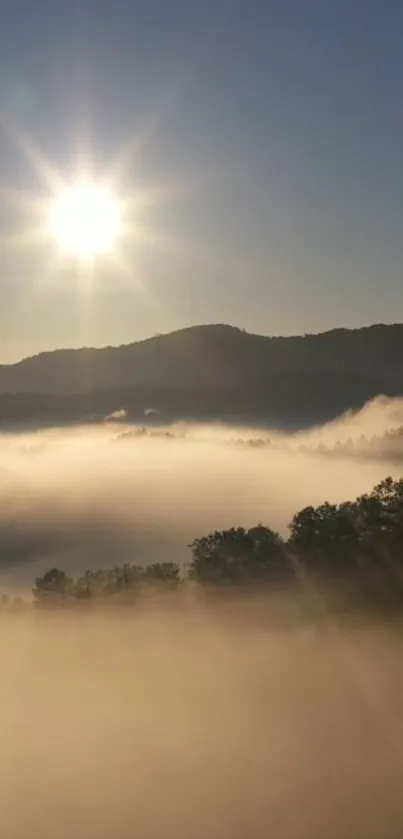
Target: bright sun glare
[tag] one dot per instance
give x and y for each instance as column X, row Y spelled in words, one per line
column 85, row 219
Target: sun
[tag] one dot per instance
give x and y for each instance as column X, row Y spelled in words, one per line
column 85, row 219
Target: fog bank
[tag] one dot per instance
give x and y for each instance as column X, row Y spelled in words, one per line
column 99, row 495
column 195, row 726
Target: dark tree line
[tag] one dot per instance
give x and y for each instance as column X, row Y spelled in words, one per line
column 389, row 441
column 57, row 588
column 358, row 544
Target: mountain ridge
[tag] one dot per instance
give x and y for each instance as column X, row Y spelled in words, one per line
column 212, row 371
column 216, row 353
column 209, row 327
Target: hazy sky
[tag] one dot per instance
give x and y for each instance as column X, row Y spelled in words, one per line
column 272, row 127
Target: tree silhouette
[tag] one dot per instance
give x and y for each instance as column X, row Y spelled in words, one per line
column 356, row 542
column 165, row 573
column 238, row 557
column 55, row 588
column 326, row 537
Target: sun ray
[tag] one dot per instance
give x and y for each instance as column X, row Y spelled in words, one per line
column 129, row 155
column 90, row 223
column 131, row 279
column 41, row 166
column 18, row 241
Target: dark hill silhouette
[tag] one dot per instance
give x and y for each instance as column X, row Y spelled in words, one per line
column 210, row 371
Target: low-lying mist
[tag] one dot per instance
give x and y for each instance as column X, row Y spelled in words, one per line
column 199, row 725
column 99, row 495
column 190, row 716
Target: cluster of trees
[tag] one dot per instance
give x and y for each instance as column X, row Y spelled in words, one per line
column 356, row 542
column 141, row 433
column 357, row 545
column 56, row 588
column 390, row 442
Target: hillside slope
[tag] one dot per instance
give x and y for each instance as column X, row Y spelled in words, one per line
column 210, row 356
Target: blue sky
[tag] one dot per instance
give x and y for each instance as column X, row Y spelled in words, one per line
column 277, row 126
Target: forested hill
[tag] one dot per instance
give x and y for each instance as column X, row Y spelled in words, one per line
column 210, row 371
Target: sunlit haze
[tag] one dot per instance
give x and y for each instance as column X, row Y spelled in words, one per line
column 266, row 140
column 222, row 719
column 90, row 495
column 201, row 419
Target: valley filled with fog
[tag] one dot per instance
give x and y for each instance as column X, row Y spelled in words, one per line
column 185, row 715
column 104, row 494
